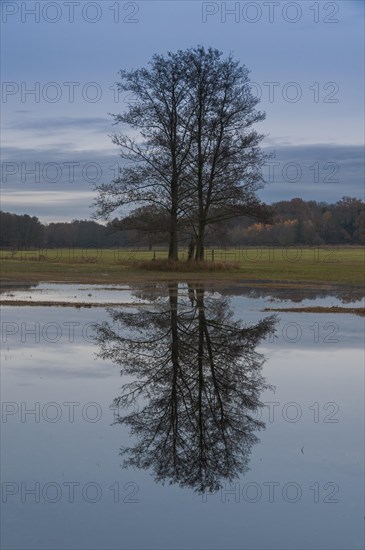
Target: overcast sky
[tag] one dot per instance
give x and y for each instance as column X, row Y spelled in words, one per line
column 60, row 62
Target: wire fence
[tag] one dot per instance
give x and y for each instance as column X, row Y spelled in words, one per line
column 96, row 254
column 93, row 255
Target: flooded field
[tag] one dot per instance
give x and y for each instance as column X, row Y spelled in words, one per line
column 181, row 416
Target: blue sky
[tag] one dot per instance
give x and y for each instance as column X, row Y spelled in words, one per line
column 306, row 60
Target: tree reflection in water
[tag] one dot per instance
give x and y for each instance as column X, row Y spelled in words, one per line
column 196, row 386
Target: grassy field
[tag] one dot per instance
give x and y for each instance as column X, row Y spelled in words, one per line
column 320, row 265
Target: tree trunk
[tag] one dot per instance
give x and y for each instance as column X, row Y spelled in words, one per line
column 191, row 248
column 199, row 254
column 173, row 244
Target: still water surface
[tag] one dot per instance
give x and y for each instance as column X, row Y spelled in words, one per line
column 186, row 417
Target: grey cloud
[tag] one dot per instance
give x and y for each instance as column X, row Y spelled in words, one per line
column 322, row 172
column 70, row 204
column 40, row 125
column 59, row 152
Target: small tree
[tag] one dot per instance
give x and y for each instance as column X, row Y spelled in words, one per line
column 150, row 222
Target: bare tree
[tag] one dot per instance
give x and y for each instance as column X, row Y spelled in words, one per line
column 156, row 158
column 196, row 154
column 149, row 222
column 225, row 158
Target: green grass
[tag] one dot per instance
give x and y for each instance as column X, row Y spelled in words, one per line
column 324, row 265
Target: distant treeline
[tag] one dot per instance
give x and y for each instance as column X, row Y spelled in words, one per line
column 293, row 222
